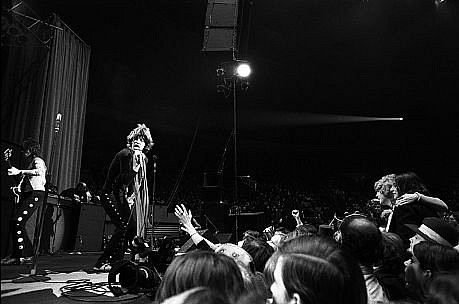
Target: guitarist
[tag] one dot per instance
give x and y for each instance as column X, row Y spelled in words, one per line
column 31, row 191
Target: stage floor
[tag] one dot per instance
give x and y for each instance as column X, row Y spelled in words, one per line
column 71, row 280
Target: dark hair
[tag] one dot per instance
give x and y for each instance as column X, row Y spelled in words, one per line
column 251, row 297
column 321, row 272
column 143, row 132
column 270, row 265
column 205, row 295
column 260, row 251
column 202, row 268
column 306, row 229
column 410, row 182
column 393, row 254
column 444, row 289
column 391, row 270
column 362, row 239
column 436, row 258
column 32, row 145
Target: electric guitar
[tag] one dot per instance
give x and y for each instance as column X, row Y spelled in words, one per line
column 17, row 189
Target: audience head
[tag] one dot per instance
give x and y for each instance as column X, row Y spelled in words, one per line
column 434, row 230
column 197, row 268
column 428, row 261
column 31, row 147
column 270, row 265
column 197, row 295
column 250, row 235
column 316, row 270
column 260, row 251
column 382, row 188
column 326, row 231
column 393, row 254
column 361, row 238
column 306, row 229
column 408, row 183
column 279, row 236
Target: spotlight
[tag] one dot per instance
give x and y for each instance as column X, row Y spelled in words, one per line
column 243, row 69
column 238, row 68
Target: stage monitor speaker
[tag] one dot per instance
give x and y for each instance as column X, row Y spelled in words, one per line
column 89, row 235
column 189, row 244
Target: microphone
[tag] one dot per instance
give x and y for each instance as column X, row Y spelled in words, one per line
column 57, row 126
column 154, row 158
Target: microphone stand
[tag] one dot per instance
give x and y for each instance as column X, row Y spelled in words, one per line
column 154, row 158
column 213, row 225
column 34, row 276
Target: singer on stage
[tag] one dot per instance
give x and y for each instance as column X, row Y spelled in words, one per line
column 126, row 196
column 30, row 193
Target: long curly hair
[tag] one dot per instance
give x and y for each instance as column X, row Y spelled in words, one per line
column 143, row 132
column 33, row 146
column 385, row 180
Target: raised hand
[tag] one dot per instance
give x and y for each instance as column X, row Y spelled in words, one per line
column 7, row 154
column 184, row 217
column 296, row 213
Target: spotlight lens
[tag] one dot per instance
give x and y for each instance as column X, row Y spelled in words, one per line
column 243, row 70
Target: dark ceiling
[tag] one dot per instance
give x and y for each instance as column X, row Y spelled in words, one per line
column 322, row 68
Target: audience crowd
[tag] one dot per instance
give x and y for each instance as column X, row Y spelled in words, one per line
column 334, row 242
column 400, row 247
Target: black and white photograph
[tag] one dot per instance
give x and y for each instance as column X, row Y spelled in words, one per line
column 230, row 151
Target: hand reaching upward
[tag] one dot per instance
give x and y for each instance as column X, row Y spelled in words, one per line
column 185, row 217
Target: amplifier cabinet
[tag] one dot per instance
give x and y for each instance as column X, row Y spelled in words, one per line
column 90, row 231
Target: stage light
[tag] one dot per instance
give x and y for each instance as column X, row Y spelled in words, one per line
column 243, row 70
column 237, row 68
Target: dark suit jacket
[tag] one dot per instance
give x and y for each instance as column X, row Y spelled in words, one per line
column 412, row 213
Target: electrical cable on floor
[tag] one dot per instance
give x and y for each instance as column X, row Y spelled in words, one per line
column 94, row 289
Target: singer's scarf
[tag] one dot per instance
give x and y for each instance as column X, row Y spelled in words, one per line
column 141, row 198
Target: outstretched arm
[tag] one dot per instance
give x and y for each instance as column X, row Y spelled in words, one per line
column 39, row 168
column 185, row 218
column 296, row 216
column 434, row 202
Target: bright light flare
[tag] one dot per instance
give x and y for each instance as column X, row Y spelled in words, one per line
column 243, row 70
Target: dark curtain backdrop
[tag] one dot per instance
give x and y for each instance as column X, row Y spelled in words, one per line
column 38, row 83
column 65, row 93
